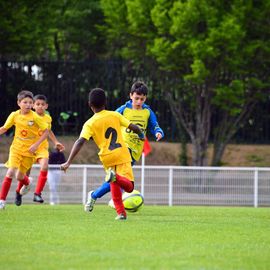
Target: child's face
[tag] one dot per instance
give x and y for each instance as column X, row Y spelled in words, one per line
column 40, row 106
column 137, row 100
column 26, row 104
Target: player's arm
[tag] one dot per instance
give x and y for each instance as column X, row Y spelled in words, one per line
column 154, row 126
column 57, row 144
column 137, row 130
column 33, row 148
column 74, row 151
column 3, row 130
column 8, row 124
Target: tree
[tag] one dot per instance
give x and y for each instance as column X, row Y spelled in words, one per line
column 214, row 56
column 63, row 29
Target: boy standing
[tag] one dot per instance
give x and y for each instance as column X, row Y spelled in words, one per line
column 105, row 129
column 42, row 154
column 140, row 114
column 24, row 145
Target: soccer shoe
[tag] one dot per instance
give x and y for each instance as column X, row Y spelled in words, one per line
column 37, row 198
column 2, row 205
column 110, row 176
column 121, row 217
column 18, row 199
column 25, row 189
column 89, row 206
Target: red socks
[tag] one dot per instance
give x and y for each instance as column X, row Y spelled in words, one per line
column 5, row 188
column 23, row 182
column 124, row 183
column 42, row 178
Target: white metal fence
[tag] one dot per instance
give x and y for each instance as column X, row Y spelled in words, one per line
column 168, row 185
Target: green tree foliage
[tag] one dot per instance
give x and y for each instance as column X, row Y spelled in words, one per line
column 63, row 29
column 214, row 56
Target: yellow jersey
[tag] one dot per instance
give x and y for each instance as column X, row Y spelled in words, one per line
column 26, row 127
column 139, row 118
column 105, row 129
column 47, row 119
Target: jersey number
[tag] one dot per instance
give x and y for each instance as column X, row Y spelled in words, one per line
column 113, row 143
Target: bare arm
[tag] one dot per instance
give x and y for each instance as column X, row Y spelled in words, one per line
column 137, row 130
column 33, row 148
column 2, row 130
column 57, row 144
column 74, row 151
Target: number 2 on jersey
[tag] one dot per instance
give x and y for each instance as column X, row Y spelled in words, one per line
column 113, row 143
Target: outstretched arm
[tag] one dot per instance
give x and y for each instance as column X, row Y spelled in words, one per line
column 137, row 130
column 2, row 130
column 57, row 144
column 74, row 151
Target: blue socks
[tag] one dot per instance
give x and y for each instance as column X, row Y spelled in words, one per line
column 101, row 191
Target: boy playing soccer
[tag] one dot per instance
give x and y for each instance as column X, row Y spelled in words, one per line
column 24, row 145
column 140, row 114
column 42, row 153
column 105, row 129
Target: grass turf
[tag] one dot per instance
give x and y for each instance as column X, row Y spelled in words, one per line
column 156, row 237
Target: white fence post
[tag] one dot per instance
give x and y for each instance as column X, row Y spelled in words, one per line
column 84, row 185
column 170, row 186
column 256, row 187
column 142, row 174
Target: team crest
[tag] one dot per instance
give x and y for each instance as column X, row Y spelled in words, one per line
column 24, row 133
column 30, row 123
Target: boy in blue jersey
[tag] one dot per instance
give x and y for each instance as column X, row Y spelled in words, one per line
column 140, row 114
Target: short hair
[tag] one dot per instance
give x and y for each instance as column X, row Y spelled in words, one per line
column 139, row 88
column 24, row 94
column 97, row 98
column 41, row 97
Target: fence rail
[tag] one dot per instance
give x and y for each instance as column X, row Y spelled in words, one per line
column 168, row 185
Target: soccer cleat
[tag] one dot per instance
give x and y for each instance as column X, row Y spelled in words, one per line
column 2, row 204
column 89, row 206
column 25, row 189
column 110, row 175
column 37, row 198
column 18, row 199
column 121, row 217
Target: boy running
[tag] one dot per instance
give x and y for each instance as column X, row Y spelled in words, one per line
column 140, row 114
column 42, row 154
column 24, row 145
column 105, row 129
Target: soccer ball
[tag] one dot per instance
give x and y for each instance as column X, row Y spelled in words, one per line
column 132, row 201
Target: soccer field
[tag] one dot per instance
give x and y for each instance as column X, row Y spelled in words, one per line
column 156, row 237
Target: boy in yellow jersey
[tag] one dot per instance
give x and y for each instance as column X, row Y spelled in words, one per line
column 42, row 153
column 105, row 129
column 24, row 145
column 140, row 114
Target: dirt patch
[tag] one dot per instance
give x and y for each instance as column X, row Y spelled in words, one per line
column 164, row 153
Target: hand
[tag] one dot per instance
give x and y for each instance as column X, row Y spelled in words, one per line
column 33, row 148
column 158, row 136
column 60, row 146
column 64, row 166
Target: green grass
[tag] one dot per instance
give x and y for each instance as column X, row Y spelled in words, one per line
column 157, row 237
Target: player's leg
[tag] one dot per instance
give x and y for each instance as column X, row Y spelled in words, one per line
column 94, row 194
column 42, row 179
column 117, row 199
column 6, row 187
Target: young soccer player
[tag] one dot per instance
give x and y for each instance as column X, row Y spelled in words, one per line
column 105, row 129
column 42, row 154
column 24, row 145
column 138, row 113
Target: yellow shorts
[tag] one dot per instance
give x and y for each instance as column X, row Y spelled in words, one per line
column 41, row 153
column 124, row 169
column 22, row 163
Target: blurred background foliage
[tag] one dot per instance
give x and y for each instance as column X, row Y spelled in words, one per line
column 206, row 63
